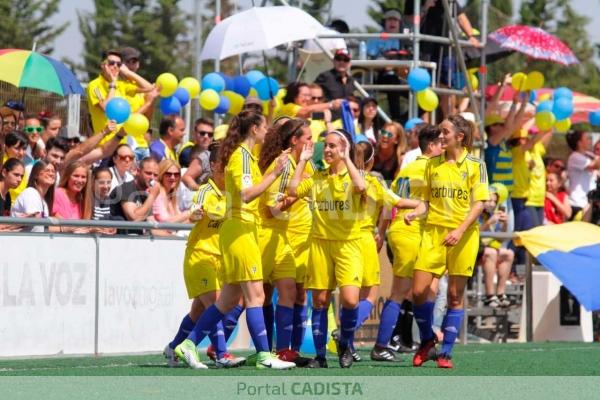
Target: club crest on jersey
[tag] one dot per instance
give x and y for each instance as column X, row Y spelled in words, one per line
column 463, row 175
column 204, row 282
column 345, row 186
column 253, row 268
column 246, row 180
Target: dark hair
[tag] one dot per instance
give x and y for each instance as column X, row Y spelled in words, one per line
column 32, row 116
column 292, row 91
column 204, row 121
column 38, row 167
column 167, row 123
column 46, row 116
column 98, row 170
column 239, row 129
column 111, row 52
column 463, row 126
column 428, row 134
column 213, row 148
column 16, row 139
column 58, row 142
column 377, row 121
column 146, row 160
column 9, row 165
column 573, row 138
column 365, row 152
column 279, row 138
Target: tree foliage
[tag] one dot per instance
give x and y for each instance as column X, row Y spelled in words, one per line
column 25, row 22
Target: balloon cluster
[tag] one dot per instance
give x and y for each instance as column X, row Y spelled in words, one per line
column 225, row 94
column 555, row 111
column 176, row 94
column 419, row 81
column 459, row 82
column 118, row 110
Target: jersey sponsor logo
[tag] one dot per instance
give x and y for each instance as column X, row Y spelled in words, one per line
column 449, row 193
column 333, row 205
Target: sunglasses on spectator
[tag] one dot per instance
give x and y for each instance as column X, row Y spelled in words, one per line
column 33, row 129
column 342, row 59
column 172, row 174
column 386, row 134
column 205, row 133
column 355, row 110
column 125, row 158
column 113, row 62
column 317, row 98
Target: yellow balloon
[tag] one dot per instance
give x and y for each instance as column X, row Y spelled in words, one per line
column 474, row 81
column 209, row 99
column 544, row 97
column 167, row 83
column 236, row 101
column 535, row 80
column 252, row 93
column 281, row 93
column 191, row 85
column 427, row 99
column 563, row 125
column 519, row 81
column 278, row 104
column 544, row 120
column 136, row 124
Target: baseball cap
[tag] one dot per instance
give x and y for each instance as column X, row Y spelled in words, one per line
column 392, row 14
column 493, row 119
column 367, row 100
column 342, row 53
column 411, row 123
column 129, row 53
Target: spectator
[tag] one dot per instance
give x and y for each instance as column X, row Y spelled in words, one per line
column 582, row 167
column 253, row 104
column 591, row 213
column 165, row 208
column 51, row 124
column 36, row 200
column 557, row 167
column 171, row 132
column 412, row 129
column 297, row 102
column 15, row 145
column 389, row 150
column 132, row 201
column 142, row 101
column 337, row 83
column 497, row 260
column 202, row 137
column 11, row 176
column 122, row 159
column 102, row 178
column 73, row 197
column 369, row 122
column 73, row 139
column 9, row 121
column 597, row 148
column 33, row 129
column 56, row 150
column 16, row 108
column 536, row 194
column 556, row 204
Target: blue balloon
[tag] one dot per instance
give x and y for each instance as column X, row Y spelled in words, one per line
column 563, row 92
column 418, row 79
column 267, row 88
column 532, row 96
column 547, row 105
column 254, row 76
column 458, row 80
column 213, row 81
column 170, row 105
column 182, row 95
column 411, row 123
column 223, row 106
column 228, row 81
column 595, row 117
column 117, row 109
column 563, row 108
column 241, row 85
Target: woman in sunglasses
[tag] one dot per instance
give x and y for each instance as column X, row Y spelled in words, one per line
column 122, row 161
column 33, row 130
column 390, row 148
column 166, row 206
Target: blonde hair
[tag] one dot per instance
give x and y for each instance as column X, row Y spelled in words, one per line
column 163, row 167
column 85, row 197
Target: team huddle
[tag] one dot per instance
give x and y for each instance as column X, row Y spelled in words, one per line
column 269, row 218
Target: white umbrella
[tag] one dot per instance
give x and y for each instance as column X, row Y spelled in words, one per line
column 259, row 28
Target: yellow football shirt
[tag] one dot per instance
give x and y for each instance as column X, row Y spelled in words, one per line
column 536, row 194
column 241, row 172
column 451, row 188
column 298, row 217
column 136, row 101
column 378, row 196
column 409, row 184
column 521, row 173
column 336, row 206
column 204, row 237
column 288, row 110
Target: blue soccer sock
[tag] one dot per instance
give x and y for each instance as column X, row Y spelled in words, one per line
column 319, row 330
column 269, row 316
column 256, row 326
column 185, row 328
column 389, row 316
column 206, row 323
column 217, row 339
column 424, row 318
column 230, row 321
column 364, row 310
column 451, row 327
column 348, row 319
column 299, row 331
column 284, row 322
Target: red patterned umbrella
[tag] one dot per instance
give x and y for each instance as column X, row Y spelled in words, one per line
column 534, row 42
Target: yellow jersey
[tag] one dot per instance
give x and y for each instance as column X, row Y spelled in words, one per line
column 336, row 206
column 298, row 217
column 521, row 173
column 136, row 101
column 451, row 188
column 204, row 237
column 409, row 184
column 536, row 195
column 241, row 172
column 378, row 196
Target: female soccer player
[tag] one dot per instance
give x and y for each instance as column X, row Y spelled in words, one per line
column 238, row 241
column 338, row 195
column 456, row 187
column 202, row 264
column 285, row 217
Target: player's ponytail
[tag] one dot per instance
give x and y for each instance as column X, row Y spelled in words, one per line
column 279, row 138
column 238, row 131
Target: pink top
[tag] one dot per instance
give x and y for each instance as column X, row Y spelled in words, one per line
column 161, row 210
column 64, row 207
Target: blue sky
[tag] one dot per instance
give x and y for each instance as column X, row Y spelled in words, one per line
column 70, row 43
